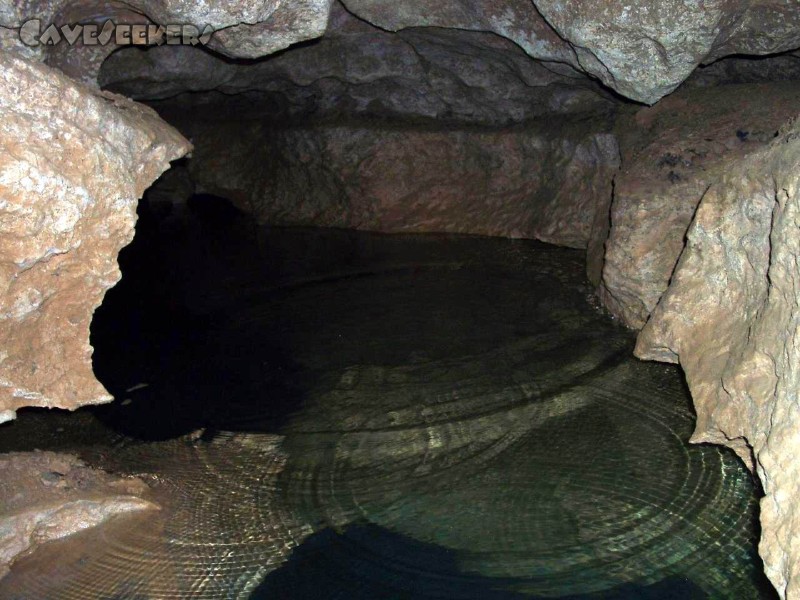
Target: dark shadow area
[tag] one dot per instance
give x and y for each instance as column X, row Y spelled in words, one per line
column 368, row 562
column 156, row 343
column 213, row 209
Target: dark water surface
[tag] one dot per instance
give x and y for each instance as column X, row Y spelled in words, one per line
column 344, row 415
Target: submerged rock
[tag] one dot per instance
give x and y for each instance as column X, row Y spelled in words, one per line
column 72, row 166
column 449, row 412
column 730, row 317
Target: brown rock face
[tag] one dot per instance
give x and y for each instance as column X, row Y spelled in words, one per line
column 45, row 496
column 671, row 153
column 731, row 317
column 72, row 166
column 244, row 29
column 519, row 182
column 643, row 50
column 359, row 70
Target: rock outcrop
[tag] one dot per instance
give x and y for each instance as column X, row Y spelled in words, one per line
column 641, row 51
column 730, row 317
column 246, row 29
column 357, row 70
column 46, row 496
column 671, row 153
column 73, row 165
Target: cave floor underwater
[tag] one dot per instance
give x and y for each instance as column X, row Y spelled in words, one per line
column 333, row 414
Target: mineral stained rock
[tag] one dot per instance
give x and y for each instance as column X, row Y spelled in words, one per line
column 45, row 496
column 511, row 182
column 671, row 153
column 643, row 50
column 730, row 317
column 738, row 69
column 359, row 70
column 72, row 166
column 244, row 29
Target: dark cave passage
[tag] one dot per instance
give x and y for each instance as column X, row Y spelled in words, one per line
column 326, row 413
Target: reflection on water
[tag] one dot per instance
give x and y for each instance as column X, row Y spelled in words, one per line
column 341, row 415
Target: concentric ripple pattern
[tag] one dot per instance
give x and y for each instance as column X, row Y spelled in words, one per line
column 435, row 417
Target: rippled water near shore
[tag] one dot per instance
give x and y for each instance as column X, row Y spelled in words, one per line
column 333, row 414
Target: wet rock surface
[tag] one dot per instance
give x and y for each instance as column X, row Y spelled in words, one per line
column 47, row 496
column 730, row 318
column 671, row 154
column 73, row 165
column 381, row 416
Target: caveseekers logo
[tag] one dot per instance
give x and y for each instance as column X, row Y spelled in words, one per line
column 93, row 34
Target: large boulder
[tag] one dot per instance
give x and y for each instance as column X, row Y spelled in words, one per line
column 731, row 317
column 671, row 153
column 73, row 164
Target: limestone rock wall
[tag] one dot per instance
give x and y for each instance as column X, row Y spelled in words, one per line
column 243, row 29
column 731, row 318
column 73, row 164
column 671, row 153
column 427, row 129
column 521, row 182
column 642, row 50
column 358, row 70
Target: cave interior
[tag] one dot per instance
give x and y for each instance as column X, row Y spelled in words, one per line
column 425, row 311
